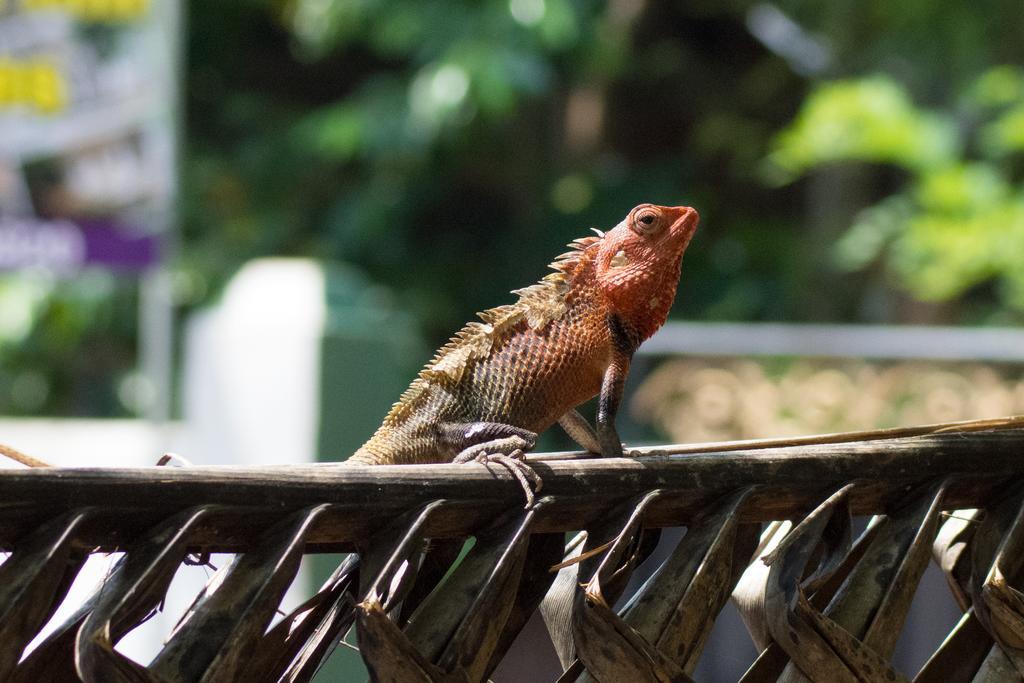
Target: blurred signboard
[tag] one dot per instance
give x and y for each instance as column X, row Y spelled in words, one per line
column 87, row 132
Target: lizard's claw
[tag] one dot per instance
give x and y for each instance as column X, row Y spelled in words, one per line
column 515, row 463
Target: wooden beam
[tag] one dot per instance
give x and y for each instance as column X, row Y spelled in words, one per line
column 790, row 480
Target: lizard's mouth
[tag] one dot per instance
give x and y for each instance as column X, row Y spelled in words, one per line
column 685, row 225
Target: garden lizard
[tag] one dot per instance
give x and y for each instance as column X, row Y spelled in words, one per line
column 498, row 383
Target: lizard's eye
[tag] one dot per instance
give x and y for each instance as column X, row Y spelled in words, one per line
column 646, row 220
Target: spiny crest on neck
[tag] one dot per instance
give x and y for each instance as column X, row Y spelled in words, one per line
column 538, row 305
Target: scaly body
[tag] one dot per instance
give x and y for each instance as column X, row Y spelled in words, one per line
column 500, row 382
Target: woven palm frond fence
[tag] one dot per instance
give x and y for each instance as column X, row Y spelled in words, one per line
column 768, row 525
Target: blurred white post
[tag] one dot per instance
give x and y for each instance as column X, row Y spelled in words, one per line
column 251, row 366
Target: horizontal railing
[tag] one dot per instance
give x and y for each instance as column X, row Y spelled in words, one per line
column 821, row 600
column 877, row 342
column 787, row 481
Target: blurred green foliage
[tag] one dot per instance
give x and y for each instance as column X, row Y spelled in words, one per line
column 453, row 148
column 872, row 119
column 450, row 148
column 67, row 348
column 956, row 221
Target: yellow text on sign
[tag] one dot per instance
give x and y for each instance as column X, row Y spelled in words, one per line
column 91, row 10
column 34, row 83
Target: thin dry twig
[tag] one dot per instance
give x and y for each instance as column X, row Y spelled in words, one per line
column 963, row 427
column 582, row 556
column 17, row 456
column 950, row 515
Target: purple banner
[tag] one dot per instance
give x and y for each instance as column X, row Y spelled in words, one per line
column 66, row 246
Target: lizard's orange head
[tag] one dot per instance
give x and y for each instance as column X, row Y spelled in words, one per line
column 638, row 263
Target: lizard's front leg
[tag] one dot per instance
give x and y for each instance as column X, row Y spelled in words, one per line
column 608, row 403
column 494, row 442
